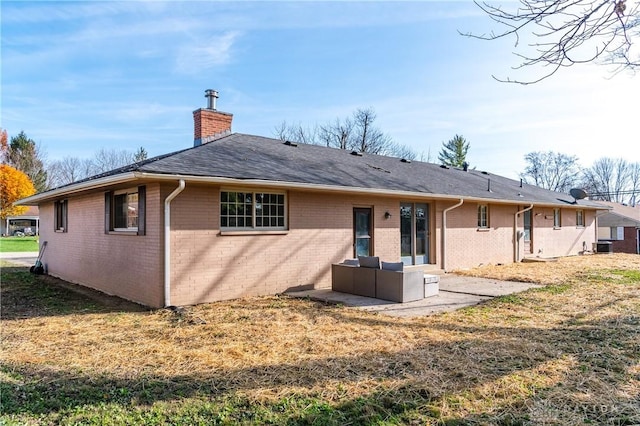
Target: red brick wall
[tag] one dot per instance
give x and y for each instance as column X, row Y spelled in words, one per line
column 629, row 244
column 207, row 122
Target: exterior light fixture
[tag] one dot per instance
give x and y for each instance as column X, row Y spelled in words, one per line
column 387, row 215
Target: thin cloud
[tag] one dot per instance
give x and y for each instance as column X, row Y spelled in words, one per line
column 214, row 52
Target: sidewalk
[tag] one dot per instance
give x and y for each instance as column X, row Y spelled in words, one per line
column 26, row 258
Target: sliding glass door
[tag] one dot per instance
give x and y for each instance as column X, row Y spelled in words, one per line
column 414, row 233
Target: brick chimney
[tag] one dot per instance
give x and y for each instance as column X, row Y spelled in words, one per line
column 208, row 123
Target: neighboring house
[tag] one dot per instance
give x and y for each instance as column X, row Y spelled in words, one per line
column 620, row 226
column 240, row 215
column 27, row 223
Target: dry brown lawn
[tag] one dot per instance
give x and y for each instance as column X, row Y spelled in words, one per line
column 568, row 353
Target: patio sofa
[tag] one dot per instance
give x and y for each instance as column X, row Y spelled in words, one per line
column 355, row 278
column 367, row 276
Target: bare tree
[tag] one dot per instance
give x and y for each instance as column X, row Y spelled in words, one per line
column 551, row 170
column 611, row 179
column 425, row 157
column 635, row 183
column 355, row 133
column 566, row 33
column 368, row 137
column 297, row 133
column 109, row 159
column 69, row 170
column 403, row 151
column 73, row 169
column 339, row 134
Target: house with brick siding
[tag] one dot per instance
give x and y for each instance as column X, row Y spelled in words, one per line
column 239, row 215
column 621, row 227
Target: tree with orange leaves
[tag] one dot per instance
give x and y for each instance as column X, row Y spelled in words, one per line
column 14, row 185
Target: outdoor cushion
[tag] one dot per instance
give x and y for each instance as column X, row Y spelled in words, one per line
column 369, row 262
column 351, row 262
column 393, row 266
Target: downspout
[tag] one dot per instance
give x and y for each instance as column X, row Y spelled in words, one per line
column 444, row 231
column 595, row 231
column 167, row 242
column 516, row 240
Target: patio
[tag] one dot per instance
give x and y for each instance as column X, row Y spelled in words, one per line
column 456, row 292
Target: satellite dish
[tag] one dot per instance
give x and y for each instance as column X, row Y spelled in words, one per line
column 578, row 193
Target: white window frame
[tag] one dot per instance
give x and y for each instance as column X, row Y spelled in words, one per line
column 617, row 233
column 483, row 216
column 580, row 218
column 254, row 228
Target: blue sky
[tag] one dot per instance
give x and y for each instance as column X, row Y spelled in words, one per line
column 81, row 76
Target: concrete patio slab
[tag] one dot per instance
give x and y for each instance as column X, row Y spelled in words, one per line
column 456, row 292
column 481, row 286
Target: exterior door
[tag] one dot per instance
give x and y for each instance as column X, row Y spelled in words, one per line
column 414, row 233
column 527, row 232
column 362, row 232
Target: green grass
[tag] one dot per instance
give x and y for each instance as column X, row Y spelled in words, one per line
column 18, row 244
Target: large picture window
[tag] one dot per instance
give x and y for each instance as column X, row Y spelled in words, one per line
column 252, row 211
column 125, row 211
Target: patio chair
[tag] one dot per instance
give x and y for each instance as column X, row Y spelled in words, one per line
column 397, row 285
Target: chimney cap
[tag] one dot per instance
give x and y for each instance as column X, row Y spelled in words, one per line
column 211, row 96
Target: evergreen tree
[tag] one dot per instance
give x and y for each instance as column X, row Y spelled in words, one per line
column 23, row 154
column 140, row 155
column 454, row 152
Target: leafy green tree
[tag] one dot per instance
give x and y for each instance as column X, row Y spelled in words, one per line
column 454, row 152
column 23, row 154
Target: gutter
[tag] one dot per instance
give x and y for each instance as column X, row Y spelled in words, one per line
column 444, row 231
column 340, row 189
column 34, row 200
column 73, row 188
column 516, row 239
column 167, row 241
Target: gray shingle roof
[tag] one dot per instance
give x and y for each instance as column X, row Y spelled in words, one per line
column 242, row 156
